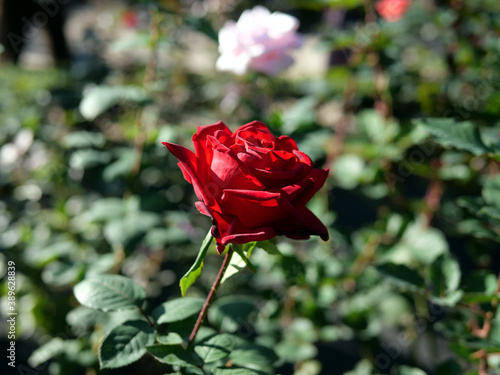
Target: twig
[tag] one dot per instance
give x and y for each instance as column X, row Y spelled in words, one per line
column 211, row 295
column 366, row 256
column 370, row 15
column 149, row 77
column 342, row 126
column 432, row 200
column 382, row 98
column 485, row 332
column 151, row 323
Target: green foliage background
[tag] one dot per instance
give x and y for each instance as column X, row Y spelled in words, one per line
column 405, row 117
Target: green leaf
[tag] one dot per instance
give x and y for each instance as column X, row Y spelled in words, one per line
column 239, row 260
column 40, row 257
column 161, row 237
column 75, row 351
column 451, row 366
column 419, row 243
column 122, row 230
column 300, row 116
column 490, row 212
column 491, row 191
column 451, row 299
column 349, row 170
column 445, row 275
column 202, row 25
column 376, row 127
column 104, row 209
column 195, row 271
column 109, row 293
column 473, row 298
column 254, row 355
column 244, row 251
column 172, row 338
column 97, row 100
column 363, row 367
column 177, row 309
column 103, row 264
column 462, row 135
column 83, row 319
column 83, row 139
column 47, row 351
column 215, row 347
column 476, row 229
column 174, row 355
column 480, row 287
column 472, row 204
column 406, row 370
column 269, row 247
column 60, row 273
column 194, row 371
column 125, row 344
column 293, row 351
column 229, row 312
column 140, row 39
column 475, row 343
column 120, row 167
column 481, row 281
column 87, row 158
column 311, row 141
column 238, row 371
column 237, row 264
column 402, row 275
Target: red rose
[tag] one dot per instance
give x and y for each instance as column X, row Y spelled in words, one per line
column 253, row 185
column 392, row 10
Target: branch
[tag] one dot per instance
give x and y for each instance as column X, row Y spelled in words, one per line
column 211, row 296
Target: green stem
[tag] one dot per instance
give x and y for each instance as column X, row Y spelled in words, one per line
column 150, row 322
column 211, row 296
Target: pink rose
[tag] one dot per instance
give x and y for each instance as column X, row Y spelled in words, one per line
column 392, row 10
column 259, row 41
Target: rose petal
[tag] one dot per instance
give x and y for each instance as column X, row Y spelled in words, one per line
column 254, row 208
column 189, row 166
column 287, row 143
column 202, row 207
column 302, row 191
column 275, row 179
column 229, row 172
column 254, row 132
column 271, row 62
column 271, row 160
column 308, row 225
column 228, row 229
column 200, row 140
column 262, row 208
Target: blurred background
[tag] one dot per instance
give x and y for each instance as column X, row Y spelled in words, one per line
column 407, row 284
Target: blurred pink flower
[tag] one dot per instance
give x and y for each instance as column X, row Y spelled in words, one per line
column 130, row 19
column 392, row 10
column 260, row 41
column 135, row 19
